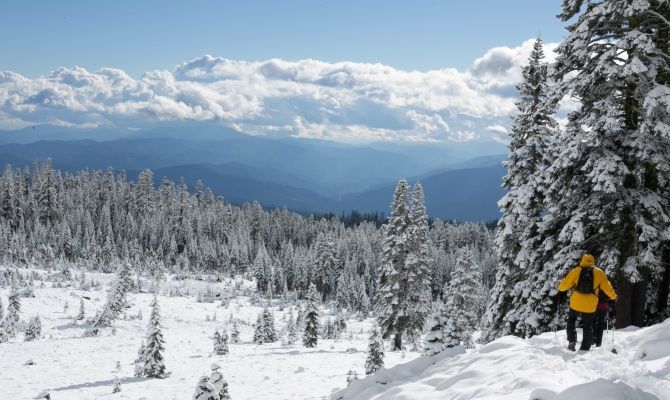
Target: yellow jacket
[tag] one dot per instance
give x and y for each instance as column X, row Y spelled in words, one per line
column 582, row 302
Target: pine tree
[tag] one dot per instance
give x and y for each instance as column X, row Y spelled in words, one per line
column 311, row 334
column 116, row 298
column 235, row 334
column 140, row 361
column 416, row 265
column 264, row 331
column 463, row 294
column 219, row 383
column 375, row 358
column 434, row 341
column 212, row 387
column 13, row 310
column 518, row 239
column 204, row 390
column 82, row 313
column 220, row 343
column 154, row 362
column 34, row 329
column 393, row 281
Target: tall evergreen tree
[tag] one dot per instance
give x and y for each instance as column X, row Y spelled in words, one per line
column 517, row 238
column 311, row 333
column 419, row 295
column 393, row 281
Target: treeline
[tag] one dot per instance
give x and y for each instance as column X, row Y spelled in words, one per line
column 97, row 220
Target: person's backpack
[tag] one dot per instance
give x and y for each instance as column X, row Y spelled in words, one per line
column 585, row 281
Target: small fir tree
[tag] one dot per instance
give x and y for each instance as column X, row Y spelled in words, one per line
column 154, row 362
column 34, row 329
column 82, row 312
column 375, row 358
column 220, row 343
column 434, row 341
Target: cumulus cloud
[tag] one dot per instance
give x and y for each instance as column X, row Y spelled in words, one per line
column 307, row 98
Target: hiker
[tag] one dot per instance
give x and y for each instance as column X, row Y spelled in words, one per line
column 588, row 281
column 602, row 309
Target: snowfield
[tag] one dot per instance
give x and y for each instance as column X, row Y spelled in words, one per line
column 72, row 367
column 540, row 368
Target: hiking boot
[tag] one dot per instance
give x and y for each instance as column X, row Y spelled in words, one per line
column 571, row 346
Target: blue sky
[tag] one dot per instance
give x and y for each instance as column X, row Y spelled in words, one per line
column 138, row 36
column 343, row 70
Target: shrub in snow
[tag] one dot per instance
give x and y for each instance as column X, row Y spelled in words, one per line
column 220, row 342
column 311, row 333
column 117, row 385
column 352, row 376
column 34, row 329
column 212, row 387
column 375, row 358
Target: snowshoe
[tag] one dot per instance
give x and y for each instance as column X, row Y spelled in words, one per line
column 571, row 346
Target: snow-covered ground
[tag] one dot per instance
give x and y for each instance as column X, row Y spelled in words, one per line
column 73, row 367
column 540, row 368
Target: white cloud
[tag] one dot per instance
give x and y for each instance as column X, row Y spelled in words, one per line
column 343, row 101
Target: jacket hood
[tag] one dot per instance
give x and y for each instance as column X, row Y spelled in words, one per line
column 587, row 261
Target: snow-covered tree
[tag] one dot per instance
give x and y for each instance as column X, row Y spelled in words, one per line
column 204, row 390
column 310, row 336
column 154, row 361
column 434, row 340
column 375, row 357
column 140, row 361
column 81, row 314
column 13, row 310
column 463, row 294
column 264, row 331
column 33, row 329
column 213, row 387
column 116, row 298
column 517, row 240
column 404, row 297
column 220, row 342
column 235, row 334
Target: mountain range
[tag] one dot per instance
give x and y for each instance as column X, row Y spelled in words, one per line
column 461, row 179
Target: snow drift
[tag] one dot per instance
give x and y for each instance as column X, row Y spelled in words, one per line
column 540, row 368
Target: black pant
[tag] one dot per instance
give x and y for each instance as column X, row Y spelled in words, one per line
column 587, row 328
column 599, row 326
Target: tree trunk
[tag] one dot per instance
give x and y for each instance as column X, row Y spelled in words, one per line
column 397, row 341
column 624, row 301
column 639, row 302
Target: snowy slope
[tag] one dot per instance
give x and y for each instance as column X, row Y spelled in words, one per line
column 72, row 367
column 540, row 368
